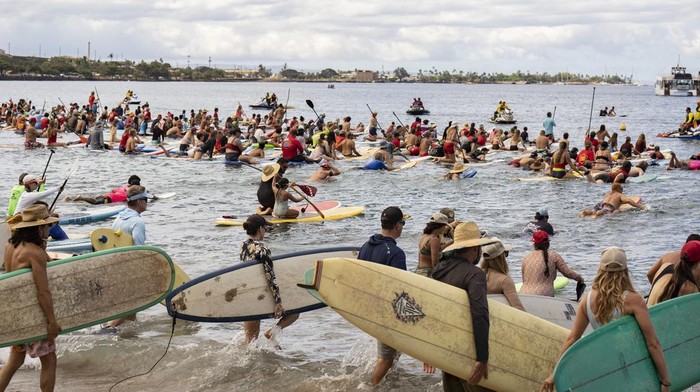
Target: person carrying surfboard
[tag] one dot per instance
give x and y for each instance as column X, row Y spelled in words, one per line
column 612, row 297
column 381, row 248
column 458, row 268
column 254, row 249
column 27, row 249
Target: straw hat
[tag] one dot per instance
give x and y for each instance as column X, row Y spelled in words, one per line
column 457, row 168
column 494, row 250
column 270, row 171
column 35, row 215
column 467, row 235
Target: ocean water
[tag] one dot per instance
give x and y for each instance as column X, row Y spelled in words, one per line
column 321, row 351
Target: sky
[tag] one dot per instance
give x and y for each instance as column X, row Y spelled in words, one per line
column 639, row 38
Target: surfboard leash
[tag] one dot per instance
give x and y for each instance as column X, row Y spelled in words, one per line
column 172, row 332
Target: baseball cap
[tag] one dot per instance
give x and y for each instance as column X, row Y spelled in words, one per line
column 439, row 218
column 691, row 250
column 393, row 215
column 540, row 237
column 542, row 213
column 613, row 259
column 449, row 213
column 257, row 221
column 30, row 179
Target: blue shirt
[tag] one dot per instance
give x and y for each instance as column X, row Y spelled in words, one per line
column 383, row 250
column 375, row 165
column 548, row 124
column 131, row 222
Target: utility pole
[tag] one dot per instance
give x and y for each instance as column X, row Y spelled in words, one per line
column 59, row 51
column 188, row 61
column 88, row 52
column 209, row 61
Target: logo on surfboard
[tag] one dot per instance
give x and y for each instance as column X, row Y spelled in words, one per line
column 406, row 308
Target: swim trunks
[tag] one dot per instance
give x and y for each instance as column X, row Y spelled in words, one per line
column 36, row 349
column 607, row 208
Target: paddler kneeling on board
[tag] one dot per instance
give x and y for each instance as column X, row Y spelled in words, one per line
column 27, row 249
column 611, row 203
column 612, row 286
column 458, row 267
column 254, row 249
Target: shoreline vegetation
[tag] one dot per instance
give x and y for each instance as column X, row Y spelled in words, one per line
column 82, row 68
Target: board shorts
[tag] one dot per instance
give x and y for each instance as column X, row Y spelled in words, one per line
column 32, row 145
column 386, row 352
column 514, row 148
column 232, row 156
column 102, row 199
column 558, row 173
column 298, row 158
column 607, row 208
column 36, row 349
column 448, row 148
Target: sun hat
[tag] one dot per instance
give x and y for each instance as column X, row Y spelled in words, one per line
column 270, row 171
column 691, row 250
column 468, row 235
column 457, row 168
column 491, row 251
column 30, row 179
column 540, row 237
column 613, row 259
column 137, row 192
column 440, row 218
column 35, row 215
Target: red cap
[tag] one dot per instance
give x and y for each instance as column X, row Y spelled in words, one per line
column 691, row 250
column 540, row 237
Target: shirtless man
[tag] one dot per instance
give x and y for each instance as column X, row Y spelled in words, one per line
column 542, row 142
column 132, row 142
column 412, row 143
column 425, row 144
column 278, row 114
column 325, row 173
column 347, row 146
column 30, row 136
column 27, row 249
column 611, row 203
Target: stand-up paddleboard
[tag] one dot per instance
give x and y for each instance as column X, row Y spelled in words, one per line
column 86, row 290
column 5, row 234
column 407, row 165
column 106, row 238
column 334, row 214
column 641, row 179
column 559, row 283
column 241, row 293
column 163, row 196
column 621, row 357
column 570, row 176
column 559, row 311
column 78, row 245
column 321, row 205
column 431, row 322
column 90, row 216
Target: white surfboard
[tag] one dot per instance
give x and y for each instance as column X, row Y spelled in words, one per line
column 240, row 292
column 5, row 235
column 559, row 311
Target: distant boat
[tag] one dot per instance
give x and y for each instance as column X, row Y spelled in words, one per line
column 504, row 117
column 417, row 110
column 678, row 84
column 331, row 86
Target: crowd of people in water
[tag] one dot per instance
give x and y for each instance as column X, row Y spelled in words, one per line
column 450, row 251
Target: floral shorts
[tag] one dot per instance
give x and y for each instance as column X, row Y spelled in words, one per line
column 36, row 349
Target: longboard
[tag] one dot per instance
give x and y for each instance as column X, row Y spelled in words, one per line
column 334, row 214
column 90, row 216
column 241, row 293
column 86, row 290
column 5, row 234
column 431, row 322
column 559, row 311
column 621, row 357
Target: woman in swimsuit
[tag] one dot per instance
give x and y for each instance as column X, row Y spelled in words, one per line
column 641, row 145
column 430, row 244
column 282, row 198
column 560, row 160
column 234, row 149
column 603, row 159
column 612, row 297
column 515, row 140
column 539, row 268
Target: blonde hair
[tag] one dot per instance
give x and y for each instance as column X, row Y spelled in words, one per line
column 611, row 287
column 497, row 264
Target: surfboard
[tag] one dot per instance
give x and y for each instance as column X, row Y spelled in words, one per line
column 5, row 234
column 559, row 311
column 621, row 357
column 641, row 179
column 431, row 322
column 308, row 217
column 240, row 292
column 82, row 218
column 559, row 283
column 407, row 165
column 322, row 205
column 166, row 195
column 106, row 238
column 86, row 290
column 546, row 177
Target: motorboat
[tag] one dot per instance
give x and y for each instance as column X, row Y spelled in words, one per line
column 504, row 117
column 679, row 83
column 417, row 110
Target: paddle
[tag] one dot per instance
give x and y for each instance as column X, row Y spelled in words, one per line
column 311, row 105
column 398, row 119
column 554, row 113
column 43, row 175
column 590, row 118
column 286, row 104
column 378, row 124
column 309, row 201
column 99, row 106
column 72, row 171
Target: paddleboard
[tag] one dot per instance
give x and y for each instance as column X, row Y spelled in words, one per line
column 106, row 238
column 621, row 357
column 86, row 290
column 241, row 293
column 5, row 234
column 572, row 176
column 559, row 283
column 321, row 205
column 78, row 245
column 90, row 216
column 407, row 165
column 334, row 214
column 431, row 322
column 641, row 179
column 625, row 207
column 559, row 311
column 166, row 195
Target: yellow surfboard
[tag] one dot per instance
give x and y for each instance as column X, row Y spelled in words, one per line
column 334, row 214
column 431, row 322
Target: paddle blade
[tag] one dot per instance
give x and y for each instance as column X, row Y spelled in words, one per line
column 308, row 189
column 310, row 103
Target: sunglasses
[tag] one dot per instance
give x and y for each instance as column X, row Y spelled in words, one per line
column 402, row 223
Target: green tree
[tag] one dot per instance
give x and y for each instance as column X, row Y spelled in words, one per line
column 401, row 73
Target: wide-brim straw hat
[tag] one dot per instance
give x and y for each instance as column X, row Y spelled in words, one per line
column 458, row 168
column 35, row 215
column 468, row 235
column 270, row 171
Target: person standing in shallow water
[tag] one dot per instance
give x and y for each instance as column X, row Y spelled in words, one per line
column 254, row 249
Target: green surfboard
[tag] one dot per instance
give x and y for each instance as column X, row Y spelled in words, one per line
column 615, row 357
